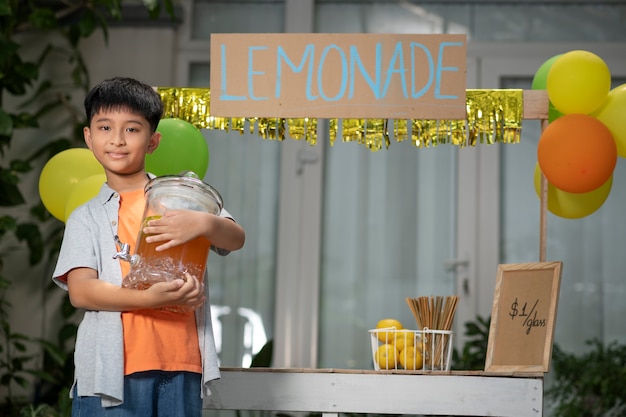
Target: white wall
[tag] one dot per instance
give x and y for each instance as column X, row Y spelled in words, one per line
column 147, row 54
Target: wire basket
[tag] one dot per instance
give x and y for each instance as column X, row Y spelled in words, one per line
column 411, row 349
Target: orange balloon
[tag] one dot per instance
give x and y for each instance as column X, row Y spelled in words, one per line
column 573, row 205
column 577, row 153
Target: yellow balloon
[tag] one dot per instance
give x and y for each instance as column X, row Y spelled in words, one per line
column 613, row 114
column 573, row 205
column 578, row 82
column 83, row 191
column 61, row 173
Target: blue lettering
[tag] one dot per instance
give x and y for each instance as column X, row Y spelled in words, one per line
column 337, row 77
column 251, row 72
column 223, row 95
column 282, row 56
column 441, row 68
column 355, row 58
column 397, row 56
column 431, row 70
column 344, row 73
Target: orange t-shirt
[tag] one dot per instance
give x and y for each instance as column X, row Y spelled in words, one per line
column 153, row 339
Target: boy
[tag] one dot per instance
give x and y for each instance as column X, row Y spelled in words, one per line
column 132, row 357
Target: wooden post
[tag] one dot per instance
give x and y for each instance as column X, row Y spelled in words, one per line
column 543, row 213
column 536, row 107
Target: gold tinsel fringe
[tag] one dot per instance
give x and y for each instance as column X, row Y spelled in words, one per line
column 493, row 116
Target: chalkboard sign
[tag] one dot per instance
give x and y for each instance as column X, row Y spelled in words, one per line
column 523, row 317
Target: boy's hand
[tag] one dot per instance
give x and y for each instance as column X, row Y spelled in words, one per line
column 175, row 227
column 90, row 293
column 180, row 292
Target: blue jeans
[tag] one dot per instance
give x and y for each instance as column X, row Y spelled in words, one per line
column 149, row 394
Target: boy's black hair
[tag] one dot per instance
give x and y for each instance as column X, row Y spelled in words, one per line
column 122, row 92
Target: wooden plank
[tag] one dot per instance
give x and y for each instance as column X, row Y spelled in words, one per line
column 348, row 75
column 538, row 374
column 334, row 392
column 535, row 105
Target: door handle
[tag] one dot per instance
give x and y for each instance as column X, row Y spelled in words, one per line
column 454, row 264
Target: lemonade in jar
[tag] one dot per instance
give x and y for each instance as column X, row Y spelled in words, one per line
column 171, row 192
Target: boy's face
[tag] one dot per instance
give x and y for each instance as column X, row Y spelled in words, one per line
column 120, row 140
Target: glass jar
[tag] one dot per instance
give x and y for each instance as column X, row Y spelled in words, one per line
column 171, row 192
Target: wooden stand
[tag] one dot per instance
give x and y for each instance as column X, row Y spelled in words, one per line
column 332, row 391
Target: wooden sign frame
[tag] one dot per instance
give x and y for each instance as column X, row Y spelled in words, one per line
column 523, row 317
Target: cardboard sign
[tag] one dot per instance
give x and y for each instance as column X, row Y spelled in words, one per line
column 338, row 76
column 523, row 316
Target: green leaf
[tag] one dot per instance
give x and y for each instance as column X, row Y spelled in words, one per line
column 36, row 97
column 55, row 352
column 5, row 8
column 115, row 9
column 27, row 70
column 41, row 375
column 6, row 123
column 40, row 212
column 73, row 35
column 68, row 331
column 18, row 165
column 155, row 11
column 43, row 18
column 25, row 120
column 264, row 357
column 87, row 24
column 32, row 235
column 21, row 381
column 8, row 49
column 103, row 25
column 169, row 8
column 10, row 195
column 68, row 310
column 44, row 54
column 4, row 284
column 50, row 149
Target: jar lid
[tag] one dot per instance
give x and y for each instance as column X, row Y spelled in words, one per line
column 187, row 179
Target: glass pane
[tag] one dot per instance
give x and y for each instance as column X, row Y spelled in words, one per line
column 199, row 74
column 236, row 17
column 530, row 21
column 388, row 227
column 244, row 169
column 592, row 287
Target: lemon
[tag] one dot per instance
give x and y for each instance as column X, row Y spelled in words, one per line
column 386, row 356
column 404, row 338
column 393, row 324
column 418, row 342
column 410, row 358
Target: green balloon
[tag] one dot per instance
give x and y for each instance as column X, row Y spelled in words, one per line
column 540, row 80
column 540, row 83
column 182, row 148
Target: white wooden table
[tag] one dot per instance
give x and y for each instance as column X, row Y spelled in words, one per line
column 333, row 391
